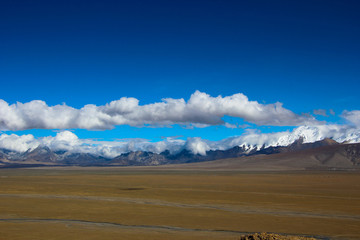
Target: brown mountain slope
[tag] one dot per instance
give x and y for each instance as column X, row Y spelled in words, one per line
column 331, row 157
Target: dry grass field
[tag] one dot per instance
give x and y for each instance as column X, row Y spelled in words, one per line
column 140, row 203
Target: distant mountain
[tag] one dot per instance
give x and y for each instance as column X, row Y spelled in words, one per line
column 139, row 158
column 324, row 152
column 325, row 157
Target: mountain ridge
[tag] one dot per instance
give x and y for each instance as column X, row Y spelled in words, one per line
column 44, row 156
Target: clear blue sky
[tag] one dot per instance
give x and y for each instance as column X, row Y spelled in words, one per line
column 304, row 54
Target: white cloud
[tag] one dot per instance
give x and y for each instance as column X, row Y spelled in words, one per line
column 229, row 125
column 321, row 112
column 199, row 111
column 65, row 140
column 197, row 146
column 18, row 143
column 352, row 116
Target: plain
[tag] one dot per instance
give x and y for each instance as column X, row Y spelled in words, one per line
column 151, row 203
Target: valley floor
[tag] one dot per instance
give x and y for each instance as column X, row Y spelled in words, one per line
column 151, row 203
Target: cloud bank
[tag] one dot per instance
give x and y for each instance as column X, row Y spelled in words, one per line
column 200, row 110
column 68, row 141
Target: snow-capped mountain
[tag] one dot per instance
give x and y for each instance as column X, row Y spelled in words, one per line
column 67, row 149
column 44, row 156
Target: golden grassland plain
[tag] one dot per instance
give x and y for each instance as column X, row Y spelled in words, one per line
column 136, row 203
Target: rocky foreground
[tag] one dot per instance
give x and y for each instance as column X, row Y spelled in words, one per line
column 272, row 236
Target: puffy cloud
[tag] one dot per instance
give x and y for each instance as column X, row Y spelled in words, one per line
column 197, row 146
column 17, row 143
column 199, row 111
column 65, row 140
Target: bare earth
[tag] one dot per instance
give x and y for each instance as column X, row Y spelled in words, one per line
column 165, row 203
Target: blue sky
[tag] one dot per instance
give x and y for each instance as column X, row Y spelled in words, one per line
column 304, row 54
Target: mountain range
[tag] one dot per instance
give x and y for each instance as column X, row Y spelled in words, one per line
column 326, row 153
